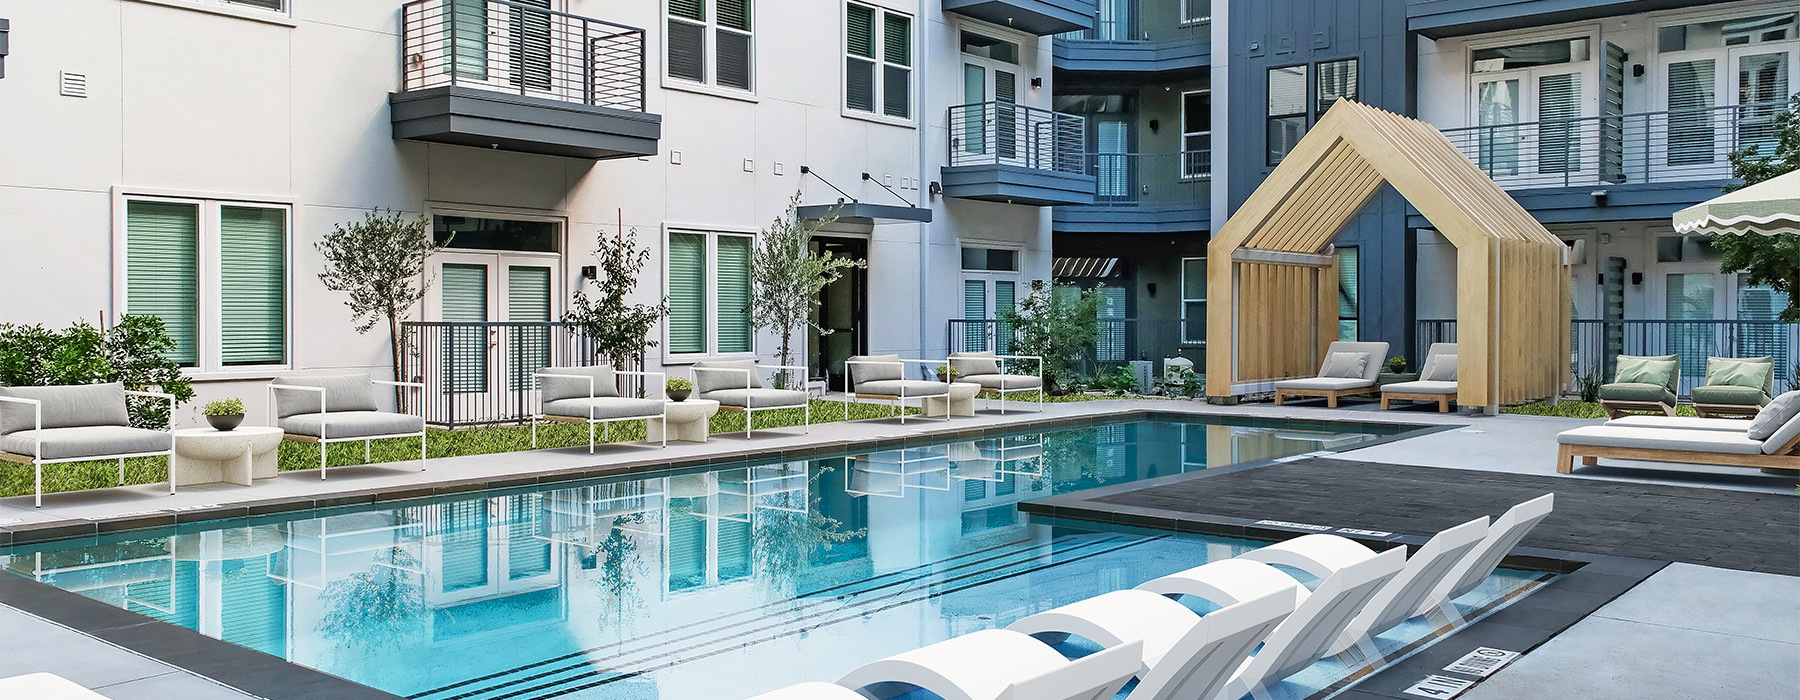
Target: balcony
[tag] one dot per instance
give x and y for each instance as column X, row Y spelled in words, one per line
column 1630, row 166
column 1144, row 193
column 515, row 77
column 1014, row 154
column 1140, row 37
column 1040, row 17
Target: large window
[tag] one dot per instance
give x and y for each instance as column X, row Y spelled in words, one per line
column 1349, row 295
column 711, row 42
column 1196, row 134
column 1337, row 81
column 709, row 293
column 877, row 61
column 1193, row 300
column 1286, row 110
column 216, row 274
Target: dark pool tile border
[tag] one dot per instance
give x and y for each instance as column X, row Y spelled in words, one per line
column 241, row 668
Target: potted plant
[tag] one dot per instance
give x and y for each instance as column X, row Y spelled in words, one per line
column 224, row 414
column 946, row 373
column 678, row 389
column 1397, row 364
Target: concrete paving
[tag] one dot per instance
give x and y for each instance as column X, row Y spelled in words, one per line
column 36, row 645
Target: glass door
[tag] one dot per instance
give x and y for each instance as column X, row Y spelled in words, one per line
column 998, row 129
column 495, row 310
column 1532, row 125
column 986, row 298
column 1762, row 77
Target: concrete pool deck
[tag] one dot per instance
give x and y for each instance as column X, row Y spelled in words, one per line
column 1515, row 444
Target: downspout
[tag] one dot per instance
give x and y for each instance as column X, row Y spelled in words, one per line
column 925, row 197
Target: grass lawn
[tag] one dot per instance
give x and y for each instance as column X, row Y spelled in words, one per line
column 1573, row 409
column 16, row 479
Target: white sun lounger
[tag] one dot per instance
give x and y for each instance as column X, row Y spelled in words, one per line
column 1728, row 425
column 1481, row 561
column 1404, row 596
column 1302, row 638
column 1185, row 655
column 1000, row 665
column 812, row 691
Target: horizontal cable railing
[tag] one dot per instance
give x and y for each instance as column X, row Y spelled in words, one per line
column 483, row 373
column 1596, row 345
column 522, row 49
column 1139, row 179
column 1674, row 146
column 1004, row 133
column 1137, row 21
column 1120, row 341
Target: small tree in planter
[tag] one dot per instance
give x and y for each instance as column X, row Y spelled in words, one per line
column 788, row 277
column 380, row 263
column 1056, row 327
column 619, row 329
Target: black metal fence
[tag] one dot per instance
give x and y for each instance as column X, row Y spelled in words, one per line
column 1596, row 344
column 483, row 373
column 1121, row 341
column 523, row 48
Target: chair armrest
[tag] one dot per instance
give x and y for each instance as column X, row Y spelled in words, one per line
column 150, row 394
column 1020, row 357
column 802, row 368
column 37, row 409
column 292, row 387
column 409, row 385
column 749, row 374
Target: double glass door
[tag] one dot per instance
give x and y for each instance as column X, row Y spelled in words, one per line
column 508, row 44
column 998, row 129
column 1532, row 124
column 1723, row 100
column 495, row 308
column 986, row 297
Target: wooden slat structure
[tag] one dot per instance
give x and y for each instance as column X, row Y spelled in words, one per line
column 1272, row 295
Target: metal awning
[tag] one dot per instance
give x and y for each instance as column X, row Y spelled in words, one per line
column 1086, row 268
column 864, row 213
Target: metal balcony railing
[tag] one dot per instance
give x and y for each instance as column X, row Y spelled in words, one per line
column 521, row 48
column 1144, row 21
column 1596, row 344
column 1003, row 133
column 1674, row 146
column 1141, row 179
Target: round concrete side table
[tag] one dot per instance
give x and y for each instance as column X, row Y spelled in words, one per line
column 205, row 456
column 960, row 401
column 686, row 421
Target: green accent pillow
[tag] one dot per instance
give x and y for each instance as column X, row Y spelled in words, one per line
column 1752, row 372
column 1646, row 370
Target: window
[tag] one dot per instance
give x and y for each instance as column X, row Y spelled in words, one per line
column 1196, row 11
column 1543, row 53
column 1337, row 81
column 988, row 47
column 990, row 260
column 1196, row 134
column 1286, row 110
column 724, row 35
column 877, row 61
column 1193, row 300
column 215, row 273
column 1349, row 295
column 709, row 293
column 1737, row 31
column 271, row 5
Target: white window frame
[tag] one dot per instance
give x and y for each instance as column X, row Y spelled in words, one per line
column 711, row 313
column 710, row 85
column 881, row 64
column 1182, row 152
column 287, row 6
column 209, row 316
column 1185, row 300
column 1195, row 12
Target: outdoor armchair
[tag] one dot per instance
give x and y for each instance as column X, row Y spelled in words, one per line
column 1642, row 384
column 591, row 395
column 990, row 370
column 737, row 385
column 883, row 378
column 1348, row 369
column 341, row 408
column 1436, row 382
column 1735, row 386
column 42, row 425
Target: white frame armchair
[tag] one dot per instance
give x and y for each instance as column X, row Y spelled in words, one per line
column 604, row 423
column 1040, row 389
column 851, row 393
column 750, row 410
column 37, row 461
column 322, row 441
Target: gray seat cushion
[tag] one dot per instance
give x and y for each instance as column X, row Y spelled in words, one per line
column 1420, row 387
column 87, row 441
column 350, row 424
column 742, row 375
column 972, row 364
column 1782, row 436
column 1727, row 395
column 1637, row 393
column 605, row 383
column 758, row 398
column 605, row 408
column 1714, row 441
column 1783, row 409
column 1326, row 383
column 912, row 387
column 1003, row 381
column 893, row 370
column 69, row 406
column 1729, row 425
column 345, row 392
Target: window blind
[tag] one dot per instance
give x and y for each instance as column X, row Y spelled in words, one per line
column 468, row 38
column 734, row 550
column 253, row 607
column 687, row 40
column 1349, row 294
column 1559, row 103
column 1005, row 298
column 687, row 293
column 732, row 43
column 896, row 79
column 530, row 45
column 1337, row 81
column 252, row 285
column 527, row 301
column 687, row 546
column 465, row 545
column 526, row 555
column 464, row 292
column 162, row 275
column 735, row 332
column 859, row 64
column 974, row 308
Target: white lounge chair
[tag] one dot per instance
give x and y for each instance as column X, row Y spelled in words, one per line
column 812, row 691
column 998, row 665
column 990, row 371
column 1185, row 655
column 1436, row 382
column 591, row 395
column 737, row 386
column 1480, row 562
column 42, row 425
column 1404, row 596
column 1340, row 374
column 343, row 408
column 883, row 378
column 1302, row 638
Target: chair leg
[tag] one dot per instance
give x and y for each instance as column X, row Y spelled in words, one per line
column 421, row 451
column 323, row 448
column 37, row 472
column 807, row 415
column 590, row 437
column 1565, row 458
column 534, row 432
column 1331, row 401
column 170, row 460
column 1278, row 398
column 1384, row 402
column 121, row 471
column 366, row 457
column 749, row 420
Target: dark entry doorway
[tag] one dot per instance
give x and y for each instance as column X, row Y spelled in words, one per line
column 843, row 309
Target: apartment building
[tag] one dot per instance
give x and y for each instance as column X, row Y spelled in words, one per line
column 182, row 157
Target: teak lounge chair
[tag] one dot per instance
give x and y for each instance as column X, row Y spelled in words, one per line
column 1642, row 384
column 737, row 386
column 1771, row 440
column 343, row 408
column 1349, row 369
column 1436, row 383
column 42, row 425
column 1735, row 386
column 591, row 395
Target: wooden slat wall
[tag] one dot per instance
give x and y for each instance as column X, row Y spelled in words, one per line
column 1279, row 343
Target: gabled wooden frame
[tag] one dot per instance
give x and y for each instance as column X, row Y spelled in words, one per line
column 1272, row 292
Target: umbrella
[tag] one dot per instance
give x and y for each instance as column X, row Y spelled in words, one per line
column 1769, row 207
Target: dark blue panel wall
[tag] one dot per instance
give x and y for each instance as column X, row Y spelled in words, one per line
column 1272, row 33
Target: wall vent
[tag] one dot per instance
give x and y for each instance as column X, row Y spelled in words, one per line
column 72, row 84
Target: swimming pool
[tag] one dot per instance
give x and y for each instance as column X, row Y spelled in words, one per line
column 717, row 583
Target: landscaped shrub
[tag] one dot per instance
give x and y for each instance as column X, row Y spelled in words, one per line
column 1058, row 324
column 134, row 352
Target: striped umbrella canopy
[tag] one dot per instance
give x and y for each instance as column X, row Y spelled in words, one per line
column 1769, row 207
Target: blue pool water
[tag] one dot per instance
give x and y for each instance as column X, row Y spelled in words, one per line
column 705, row 585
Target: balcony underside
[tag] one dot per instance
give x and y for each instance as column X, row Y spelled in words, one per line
column 1040, row 17
column 466, row 116
column 1165, row 218
column 1011, row 184
column 1567, row 205
column 1175, row 56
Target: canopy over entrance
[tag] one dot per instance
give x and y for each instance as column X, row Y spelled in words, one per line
column 1272, row 280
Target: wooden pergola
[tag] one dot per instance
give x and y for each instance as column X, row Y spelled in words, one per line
column 1272, row 276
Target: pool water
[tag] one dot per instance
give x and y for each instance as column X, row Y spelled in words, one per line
column 713, row 584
